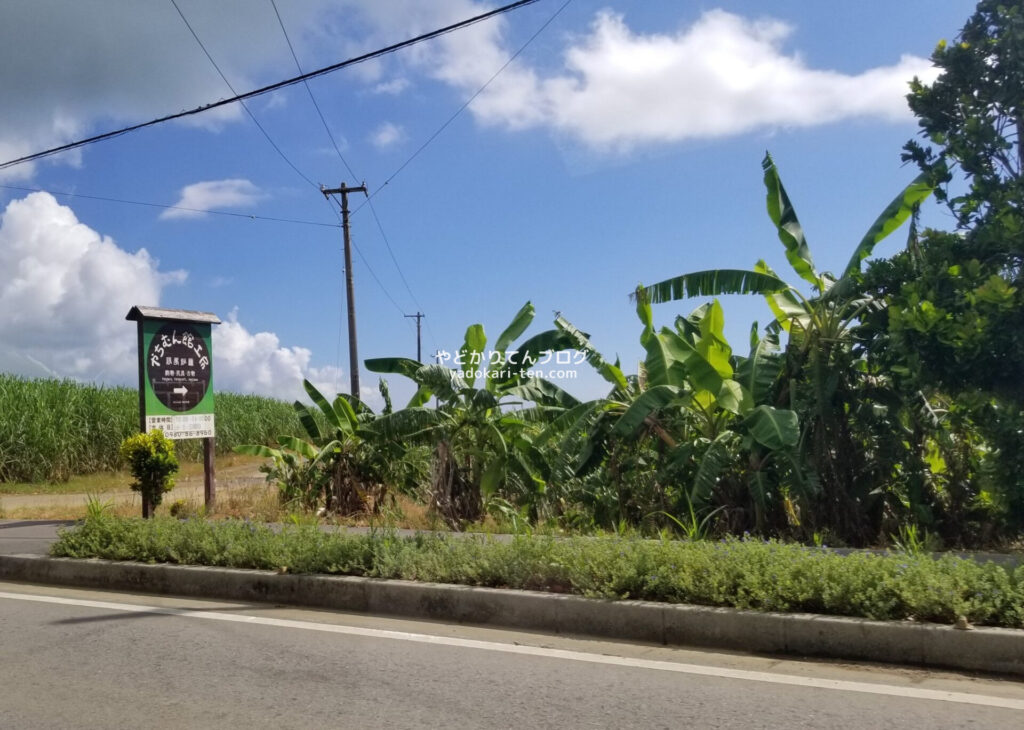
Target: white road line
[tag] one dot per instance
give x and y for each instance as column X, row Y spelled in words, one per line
column 578, row 656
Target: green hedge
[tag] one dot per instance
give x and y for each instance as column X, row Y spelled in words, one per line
column 763, row 576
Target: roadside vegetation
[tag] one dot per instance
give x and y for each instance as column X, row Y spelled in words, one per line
column 52, row 430
column 876, row 402
column 741, row 573
column 882, row 404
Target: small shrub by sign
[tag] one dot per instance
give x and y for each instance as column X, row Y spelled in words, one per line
column 151, row 459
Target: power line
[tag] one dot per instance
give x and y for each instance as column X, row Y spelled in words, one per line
column 244, row 105
column 312, row 98
column 271, row 87
column 172, row 207
column 464, row 106
column 348, row 167
column 387, row 244
column 366, row 263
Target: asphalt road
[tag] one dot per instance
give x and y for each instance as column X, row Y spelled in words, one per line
column 29, row 537
column 85, row 659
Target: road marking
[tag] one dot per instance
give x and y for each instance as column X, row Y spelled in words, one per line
column 578, row 656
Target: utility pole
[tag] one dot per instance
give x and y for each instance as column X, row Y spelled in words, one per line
column 418, row 316
column 353, row 352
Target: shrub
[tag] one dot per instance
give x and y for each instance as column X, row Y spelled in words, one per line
column 150, row 457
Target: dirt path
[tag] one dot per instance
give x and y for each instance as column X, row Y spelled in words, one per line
column 188, row 487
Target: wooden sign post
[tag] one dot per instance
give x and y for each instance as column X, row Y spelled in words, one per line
column 176, row 381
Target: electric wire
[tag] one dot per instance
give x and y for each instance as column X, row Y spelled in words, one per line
column 337, row 149
column 464, row 106
column 244, row 105
column 248, row 216
column 366, row 263
column 271, row 87
column 312, row 98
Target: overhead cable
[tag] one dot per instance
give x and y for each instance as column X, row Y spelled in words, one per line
column 270, row 87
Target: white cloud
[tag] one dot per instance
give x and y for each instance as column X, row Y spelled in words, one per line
column 724, row 75
column 257, row 363
column 65, row 290
column 386, row 135
column 213, row 195
column 393, row 87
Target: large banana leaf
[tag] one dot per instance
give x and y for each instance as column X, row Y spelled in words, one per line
column 420, row 397
column 901, row 208
column 322, row 403
column 713, row 283
column 665, row 363
column 731, row 397
column 471, row 354
column 307, row 420
column 409, row 423
column 581, row 341
column 529, row 353
column 645, row 313
column 493, row 476
column 569, row 420
column 543, row 392
column 650, row 401
column 346, row 414
column 303, row 448
column 717, row 457
column 257, row 450
column 758, row 372
column 773, row 428
column 516, row 327
column 443, row 382
column 785, row 305
column 399, row 365
column 712, row 344
column 701, row 373
column 780, row 210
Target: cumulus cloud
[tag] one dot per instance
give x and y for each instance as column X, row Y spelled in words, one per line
column 200, row 197
column 724, row 75
column 386, row 135
column 250, row 362
column 65, row 290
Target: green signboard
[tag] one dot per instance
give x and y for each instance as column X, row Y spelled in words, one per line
column 176, row 372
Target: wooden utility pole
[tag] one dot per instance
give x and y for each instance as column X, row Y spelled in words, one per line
column 418, row 316
column 353, row 352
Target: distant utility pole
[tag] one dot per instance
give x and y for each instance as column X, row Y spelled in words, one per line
column 418, row 316
column 353, row 352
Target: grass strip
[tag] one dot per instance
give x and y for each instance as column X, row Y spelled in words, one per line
column 746, row 574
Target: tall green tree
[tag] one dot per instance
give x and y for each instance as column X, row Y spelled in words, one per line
column 954, row 318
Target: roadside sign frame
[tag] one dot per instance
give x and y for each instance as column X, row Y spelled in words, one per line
column 181, row 358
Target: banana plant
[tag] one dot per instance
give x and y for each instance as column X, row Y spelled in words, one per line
column 819, row 357
column 296, row 467
column 482, row 438
column 704, row 406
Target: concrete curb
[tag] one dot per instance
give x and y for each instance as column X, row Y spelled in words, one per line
column 984, row 649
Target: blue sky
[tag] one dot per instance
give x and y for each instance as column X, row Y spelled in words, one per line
column 623, row 145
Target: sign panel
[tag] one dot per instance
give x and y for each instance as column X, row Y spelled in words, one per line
column 178, row 374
